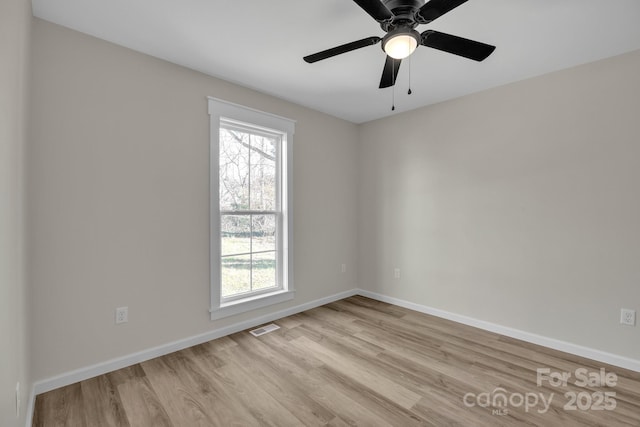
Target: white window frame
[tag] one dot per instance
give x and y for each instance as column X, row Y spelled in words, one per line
column 223, row 110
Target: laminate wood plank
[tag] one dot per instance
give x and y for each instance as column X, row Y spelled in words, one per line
column 420, row 326
column 290, row 322
column 192, row 397
column 60, row 407
column 439, row 362
column 379, row 405
column 440, row 337
column 330, row 334
column 140, row 402
column 353, row 370
column 210, row 353
column 351, row 412
column 354, row 362
column 177, row 393
column 432, row 382
column 338, row 422
column 329, row 316
column 102, row 403
column 448, row 359
column 267, row 409
column 378, row 307
column 273, row 375
column 220, row 344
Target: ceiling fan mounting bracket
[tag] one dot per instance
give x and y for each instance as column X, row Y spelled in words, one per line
column 405, row 14
column 395, row 5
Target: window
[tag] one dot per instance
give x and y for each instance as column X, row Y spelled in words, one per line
column 249, row 169
column 251, row 220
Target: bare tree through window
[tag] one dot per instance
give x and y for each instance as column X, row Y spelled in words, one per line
column 249, row 208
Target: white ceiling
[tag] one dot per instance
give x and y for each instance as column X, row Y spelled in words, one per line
column 260, row 44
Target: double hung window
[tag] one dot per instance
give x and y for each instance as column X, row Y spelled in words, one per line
column 250, row 208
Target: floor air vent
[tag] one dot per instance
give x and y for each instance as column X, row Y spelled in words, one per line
column 264, row 330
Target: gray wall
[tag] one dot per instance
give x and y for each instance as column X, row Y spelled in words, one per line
column 119, row 194
column 518, row 206
column 15, row 28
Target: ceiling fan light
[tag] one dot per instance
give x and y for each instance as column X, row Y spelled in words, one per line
column 401, row 45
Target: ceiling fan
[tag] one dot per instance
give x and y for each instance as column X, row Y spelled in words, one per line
column 399, row 18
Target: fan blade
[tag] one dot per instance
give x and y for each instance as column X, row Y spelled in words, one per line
column 376, row 9
column 390, row 72
column 434, row 9
column 457, row 45
column 369, row 41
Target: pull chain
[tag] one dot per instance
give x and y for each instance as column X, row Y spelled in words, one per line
column 393, row 98
column 393, row 88
column 409, row 92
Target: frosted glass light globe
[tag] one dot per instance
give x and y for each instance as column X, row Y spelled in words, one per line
column 400, row 46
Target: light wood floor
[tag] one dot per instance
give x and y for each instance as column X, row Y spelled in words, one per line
column 352, row 362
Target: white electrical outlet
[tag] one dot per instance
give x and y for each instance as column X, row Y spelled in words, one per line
column 122, row 315
column 396, row 273
column 628, row 317
column 343, row 268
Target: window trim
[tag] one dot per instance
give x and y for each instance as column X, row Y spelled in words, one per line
column 220, row 109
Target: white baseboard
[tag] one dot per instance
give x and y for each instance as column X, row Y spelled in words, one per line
column 578, row 350
column 121, row 362
column 30, row 407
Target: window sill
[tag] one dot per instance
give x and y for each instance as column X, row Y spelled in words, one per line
column 251, row 303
